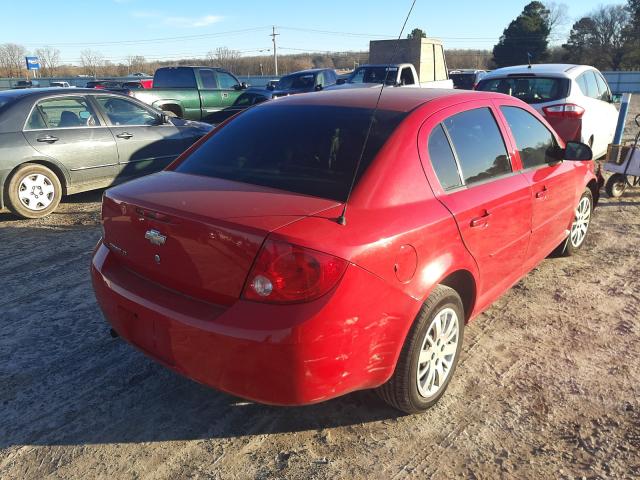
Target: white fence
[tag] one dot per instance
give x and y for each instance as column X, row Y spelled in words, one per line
column 623, row 82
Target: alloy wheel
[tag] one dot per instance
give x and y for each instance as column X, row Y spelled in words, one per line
column 438, row 352
column 581, row 223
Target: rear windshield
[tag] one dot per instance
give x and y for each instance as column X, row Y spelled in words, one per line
column 311, row 150
column 374, row 75
column 295, row 82
column 181, row 77
column 528, row 89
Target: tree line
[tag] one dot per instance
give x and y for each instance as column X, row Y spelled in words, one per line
column 607, row 38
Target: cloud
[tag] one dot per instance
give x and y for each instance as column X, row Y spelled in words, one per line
column 177, row 21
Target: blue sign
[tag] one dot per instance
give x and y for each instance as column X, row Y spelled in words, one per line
column 32, row 63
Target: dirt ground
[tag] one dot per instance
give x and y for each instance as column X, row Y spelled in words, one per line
column 547, row 385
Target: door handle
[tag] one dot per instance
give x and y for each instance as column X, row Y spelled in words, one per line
column 482, row 221
column 47, row 139
column 125, row 135
column 542, row 193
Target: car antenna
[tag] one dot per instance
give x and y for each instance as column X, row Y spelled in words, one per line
column 342, row 219
column 529, row 59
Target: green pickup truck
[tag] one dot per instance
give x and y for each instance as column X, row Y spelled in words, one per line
column 192, row 93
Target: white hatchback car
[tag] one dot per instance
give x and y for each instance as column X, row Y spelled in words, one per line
column 575, row 99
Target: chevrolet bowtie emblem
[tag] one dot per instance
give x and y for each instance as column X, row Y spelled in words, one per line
column 155, row 237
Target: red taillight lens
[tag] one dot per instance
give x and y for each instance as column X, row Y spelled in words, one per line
column 565, row 110
column 285, row 273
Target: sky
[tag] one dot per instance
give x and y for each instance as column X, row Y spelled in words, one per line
column 172, row 29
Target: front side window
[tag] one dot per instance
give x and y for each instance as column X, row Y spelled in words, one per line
column 227, row 81
column 603, row 88
column 312, row 150
column 478, row 144
column 121, row 111
column 72, row 112
column 208, row 79
column 443, row 160
column 536, row 144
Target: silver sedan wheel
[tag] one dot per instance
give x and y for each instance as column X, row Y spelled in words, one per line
column 438, row 352
column 36, row 192
column 581, row 222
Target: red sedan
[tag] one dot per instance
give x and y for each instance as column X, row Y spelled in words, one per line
column 252, row 266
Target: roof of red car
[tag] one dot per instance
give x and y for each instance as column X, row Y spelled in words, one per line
column 396, row 99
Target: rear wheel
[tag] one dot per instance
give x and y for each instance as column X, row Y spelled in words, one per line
column 616, row 185
column 580, row 225
column 33, row 191
column 430, row 354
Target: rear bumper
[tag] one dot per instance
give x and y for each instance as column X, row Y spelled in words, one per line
column 278, row 354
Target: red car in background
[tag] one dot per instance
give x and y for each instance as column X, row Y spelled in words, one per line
column 238, row 266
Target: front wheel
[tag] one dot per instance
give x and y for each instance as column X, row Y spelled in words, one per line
column 616, row 185
column 33, row 191
column 580, row 225
column 430, row 354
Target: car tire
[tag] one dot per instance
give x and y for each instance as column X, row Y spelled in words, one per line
column 616, row 185
column 33, row 191
column 580, row 226
column 412, row 387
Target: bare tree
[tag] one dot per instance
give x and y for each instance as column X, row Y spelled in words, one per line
column 49, row 60
column 12, row 59
column 558, row 18
column 135, row 63
column 224, row 57
column 91, row 61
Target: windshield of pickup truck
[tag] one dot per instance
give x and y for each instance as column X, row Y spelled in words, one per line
column 180, row 77
column 528, row 89
column 374, row 75
column 305, row 149
column 295, row 82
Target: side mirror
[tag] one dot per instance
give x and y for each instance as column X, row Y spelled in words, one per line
column 341, row 81
column 164, row 119
column 577, row 151
column 318, row 88
column 616, row 98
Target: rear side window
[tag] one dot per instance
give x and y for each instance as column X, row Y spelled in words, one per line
column 311, row 150
column 443, row 160
column 592, row 85
column 528, row 89
column 582, row 84
column 478, row 144
column 73, row 112
column 603, row 88
column 181, row 77
column 208, row 79
column 535, row 143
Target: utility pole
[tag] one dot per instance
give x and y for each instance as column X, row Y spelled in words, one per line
column 275, row 49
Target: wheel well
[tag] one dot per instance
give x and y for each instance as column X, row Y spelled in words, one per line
column 171, row 107
column 51, row 166
column 462, row 282
column 595, row 191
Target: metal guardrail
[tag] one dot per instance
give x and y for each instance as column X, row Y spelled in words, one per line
column 7, row 83
column 623, row 82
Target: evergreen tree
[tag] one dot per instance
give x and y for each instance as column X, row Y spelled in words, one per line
column 416, row 33
column 527, row 35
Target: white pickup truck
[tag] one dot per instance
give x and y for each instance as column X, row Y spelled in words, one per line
column 392, row 75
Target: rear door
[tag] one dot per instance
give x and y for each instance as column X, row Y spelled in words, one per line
column 552, row 181
column 145, row 144
column 476, row 181
column 210, row 94
column 67, row 128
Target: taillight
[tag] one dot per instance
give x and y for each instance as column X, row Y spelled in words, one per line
column 565, row 110
column 286, row 273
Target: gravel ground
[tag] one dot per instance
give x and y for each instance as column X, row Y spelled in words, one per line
column 547, row 385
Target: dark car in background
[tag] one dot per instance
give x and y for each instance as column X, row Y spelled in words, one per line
column 246, row 100
column 56, row 142
column 466, row 78
column 304, row 81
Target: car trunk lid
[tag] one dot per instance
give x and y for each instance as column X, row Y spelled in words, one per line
column 197, row 235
